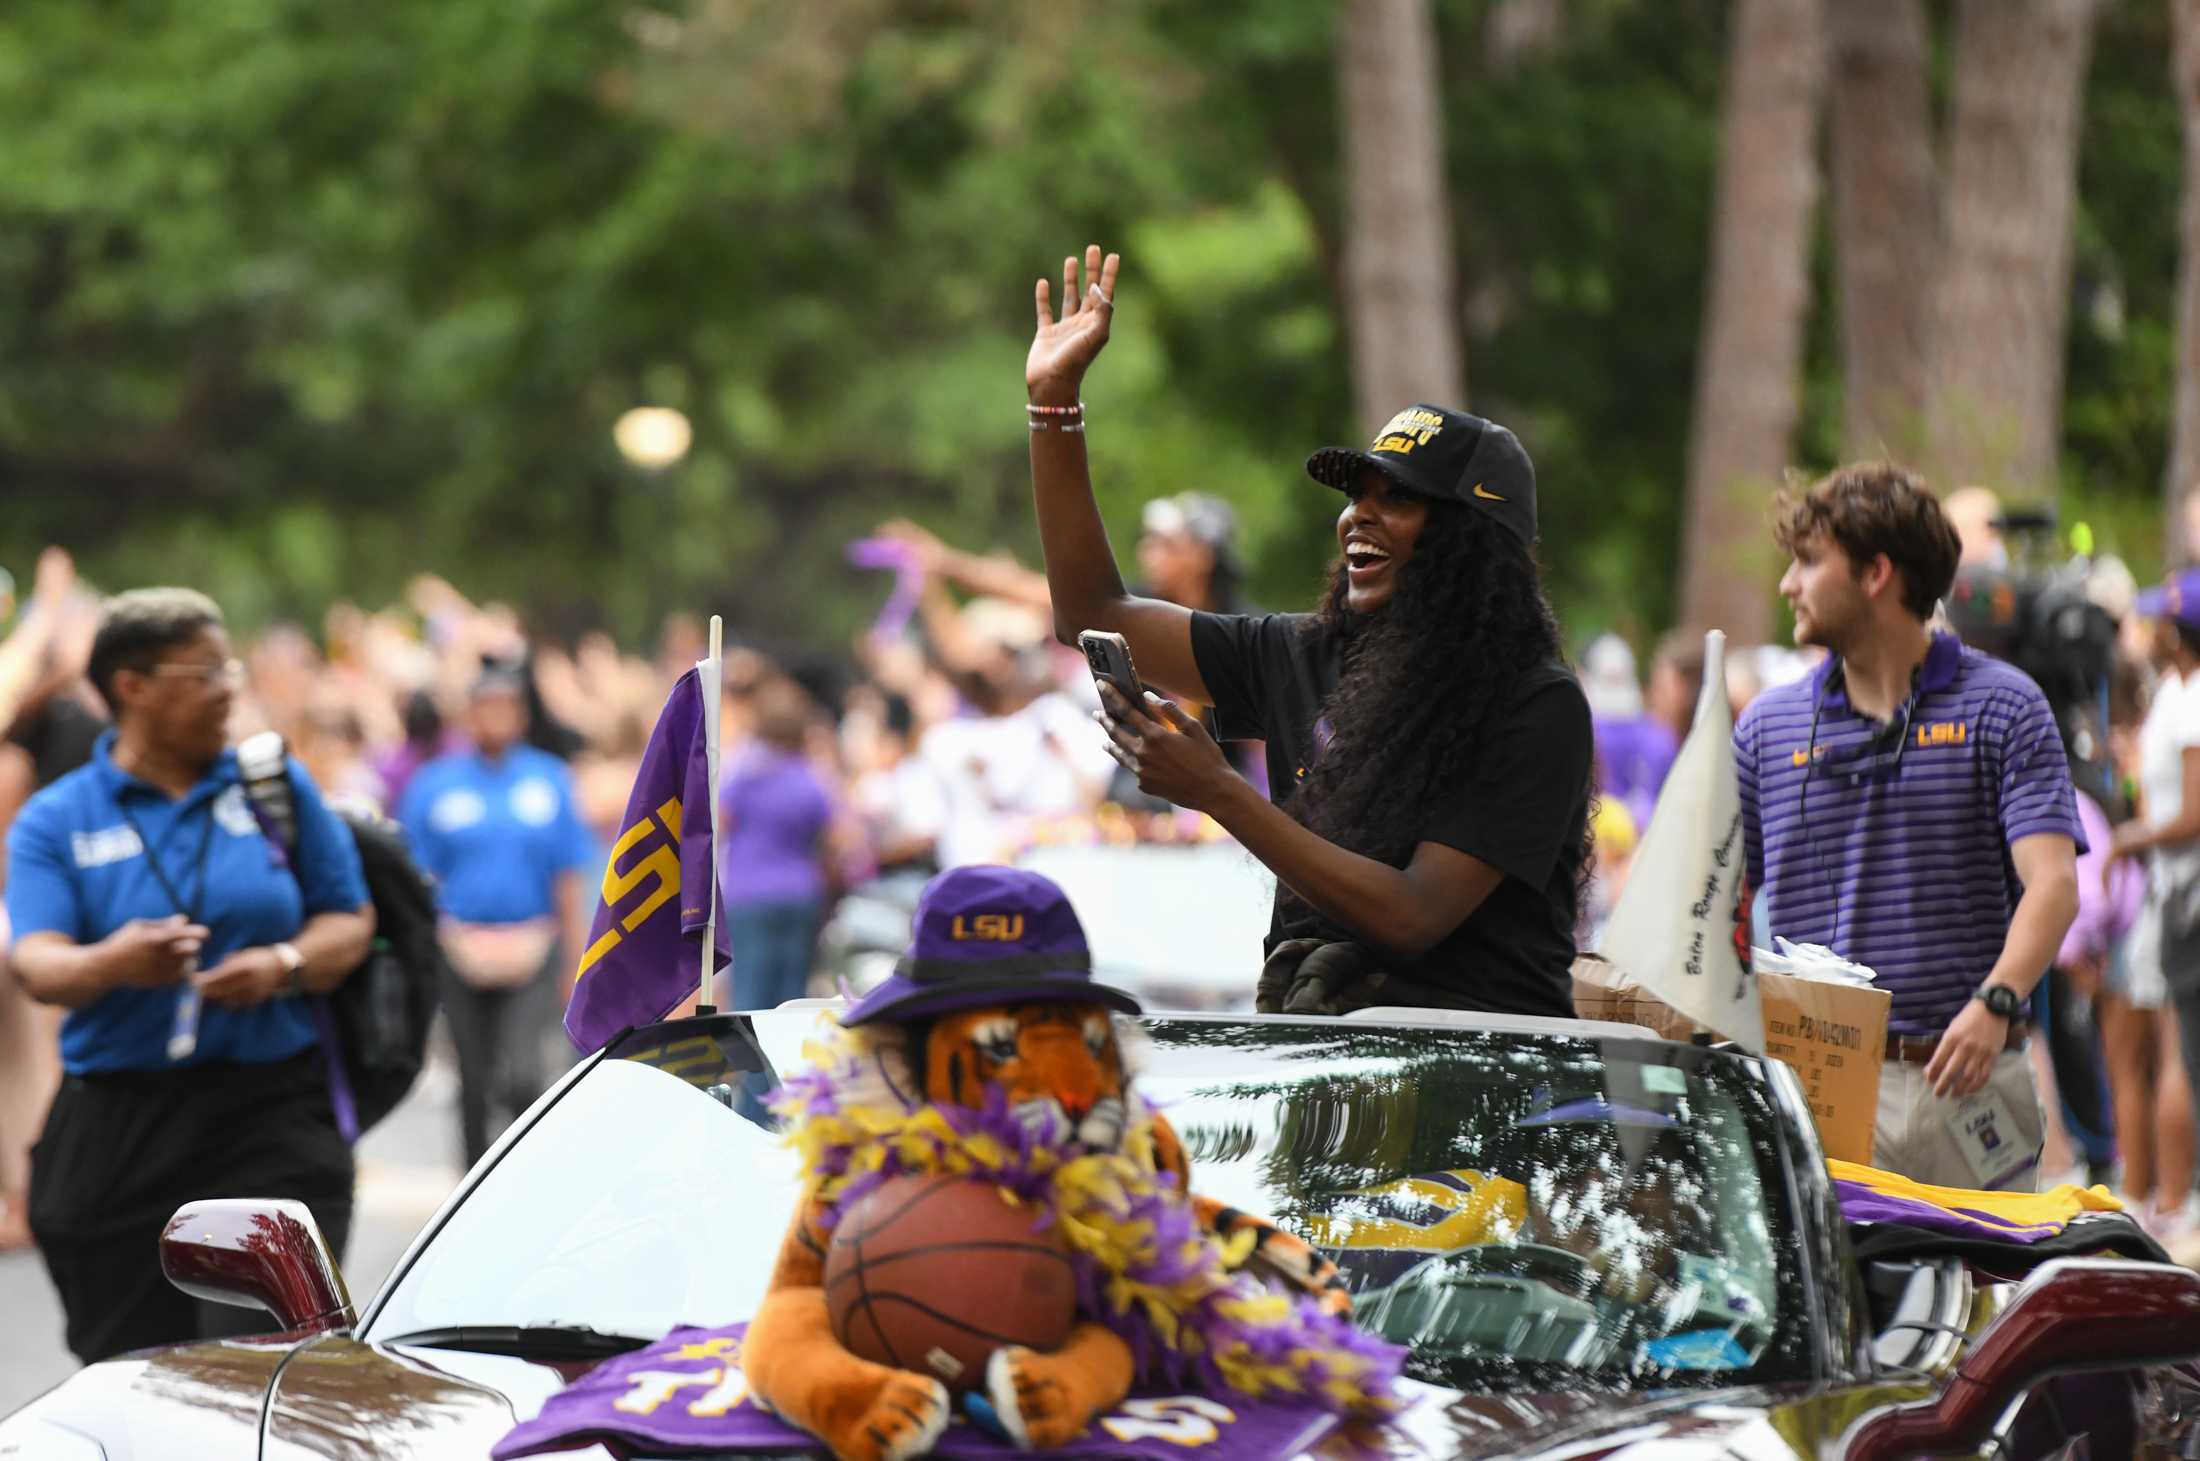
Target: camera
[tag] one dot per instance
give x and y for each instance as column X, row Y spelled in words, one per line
column 2041, row 621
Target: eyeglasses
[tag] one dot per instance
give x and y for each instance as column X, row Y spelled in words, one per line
column 229, row 672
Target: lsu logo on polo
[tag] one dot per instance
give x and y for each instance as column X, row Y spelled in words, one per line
column 1408, row 429
column 992, row 928
column 1943, row 733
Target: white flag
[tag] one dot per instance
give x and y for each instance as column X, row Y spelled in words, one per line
column 1672, row 932
column 710, row 676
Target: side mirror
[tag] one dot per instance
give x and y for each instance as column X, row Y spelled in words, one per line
column 265, row 1253
column 2072, row 1314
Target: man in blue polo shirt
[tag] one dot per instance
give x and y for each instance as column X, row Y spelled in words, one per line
column 1909, row 806
column 496, row 825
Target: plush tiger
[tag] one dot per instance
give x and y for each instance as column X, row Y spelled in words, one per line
column 1057, row 1067
column 993, row 1054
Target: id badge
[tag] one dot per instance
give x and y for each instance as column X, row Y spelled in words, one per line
column 183, row 1034
column 1991, row 1141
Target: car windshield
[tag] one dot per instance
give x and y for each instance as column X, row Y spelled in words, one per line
column 1520, row 1209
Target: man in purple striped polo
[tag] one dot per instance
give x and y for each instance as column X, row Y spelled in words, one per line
column 1908, row 806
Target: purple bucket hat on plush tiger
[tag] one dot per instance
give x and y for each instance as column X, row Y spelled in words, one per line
column 989, row 935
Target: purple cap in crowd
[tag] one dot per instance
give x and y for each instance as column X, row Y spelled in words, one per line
column 2178, row 598
column 989, row 935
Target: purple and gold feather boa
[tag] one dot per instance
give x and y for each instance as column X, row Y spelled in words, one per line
column 1145, row 1266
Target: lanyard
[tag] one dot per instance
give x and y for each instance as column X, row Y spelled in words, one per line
column 193, row 909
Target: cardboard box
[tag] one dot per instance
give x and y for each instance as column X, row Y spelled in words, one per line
column 1833, row 1035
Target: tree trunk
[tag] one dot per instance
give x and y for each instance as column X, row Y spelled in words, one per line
column 1398, row 259
column 1886, row 221
column 2001, row 297
column 2184, row 443
column 1750, row 352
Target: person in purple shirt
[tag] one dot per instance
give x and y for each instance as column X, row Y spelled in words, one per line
column 426, row 738
column 1909, row 806
column 1634, row 750
column 774, row 810
column 2151, row 1104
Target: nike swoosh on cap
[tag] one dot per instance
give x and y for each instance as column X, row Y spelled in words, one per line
column 1486, row 496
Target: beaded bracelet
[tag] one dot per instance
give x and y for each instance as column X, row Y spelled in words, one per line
column 1068, row 418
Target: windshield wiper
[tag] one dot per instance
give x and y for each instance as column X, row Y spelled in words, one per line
column 524, row 1339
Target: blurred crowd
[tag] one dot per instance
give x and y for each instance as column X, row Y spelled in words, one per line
column 956, row 729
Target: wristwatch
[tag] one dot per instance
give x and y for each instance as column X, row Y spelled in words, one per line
column 294, row 964
column 2000, row 1000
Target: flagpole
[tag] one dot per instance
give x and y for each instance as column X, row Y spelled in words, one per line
column 713, row 679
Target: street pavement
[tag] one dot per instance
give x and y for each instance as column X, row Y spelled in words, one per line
column 407, row 1166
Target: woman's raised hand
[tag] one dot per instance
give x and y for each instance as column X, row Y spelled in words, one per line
column 1065, row 348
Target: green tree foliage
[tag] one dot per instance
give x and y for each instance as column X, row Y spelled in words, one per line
column 2123, row 348
column 297, row 299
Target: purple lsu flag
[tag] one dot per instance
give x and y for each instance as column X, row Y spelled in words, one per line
column 644, row 949
column 686, row 1394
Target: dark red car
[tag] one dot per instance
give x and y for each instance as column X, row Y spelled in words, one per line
column 1596, row 1244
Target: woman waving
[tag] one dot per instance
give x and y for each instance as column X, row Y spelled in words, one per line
column 1429, row 751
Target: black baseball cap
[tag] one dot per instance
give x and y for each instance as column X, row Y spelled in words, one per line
column 1447, row 455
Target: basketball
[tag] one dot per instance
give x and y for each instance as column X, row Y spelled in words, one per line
column 933, row 1274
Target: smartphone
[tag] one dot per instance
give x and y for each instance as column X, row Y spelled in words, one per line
column 1108, row 656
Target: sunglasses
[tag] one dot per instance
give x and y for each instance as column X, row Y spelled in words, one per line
column 1872, row 757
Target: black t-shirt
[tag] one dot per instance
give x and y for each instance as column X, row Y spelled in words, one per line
column 58, row 735
column 1522, row 811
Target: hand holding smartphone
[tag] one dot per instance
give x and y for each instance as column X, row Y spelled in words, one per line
column 1108, row 656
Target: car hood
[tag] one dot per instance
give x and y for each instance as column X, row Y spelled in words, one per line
column 336, row 1399
column 1745, row 1424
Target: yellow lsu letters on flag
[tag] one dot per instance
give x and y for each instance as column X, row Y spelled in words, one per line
column 659, row 867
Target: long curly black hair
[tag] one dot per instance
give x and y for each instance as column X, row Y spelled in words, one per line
column 1421, row 679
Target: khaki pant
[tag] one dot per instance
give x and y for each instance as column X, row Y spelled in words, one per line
column 1923, row 1136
